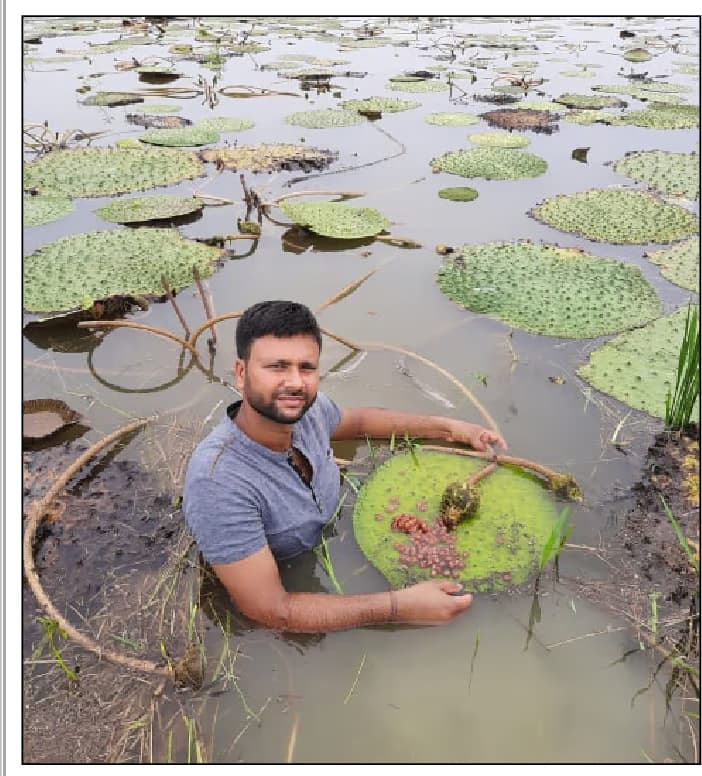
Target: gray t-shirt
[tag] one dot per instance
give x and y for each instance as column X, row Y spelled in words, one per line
column 240, row 495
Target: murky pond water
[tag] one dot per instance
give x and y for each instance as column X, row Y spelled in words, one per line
column 481, row 689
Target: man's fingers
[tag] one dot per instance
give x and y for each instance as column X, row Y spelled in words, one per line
column 450, row 587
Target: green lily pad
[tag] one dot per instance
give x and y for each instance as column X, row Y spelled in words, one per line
column 139, row 209
column 588, row 101
column 225, row 124
column 640, row 366
column 538, row 105
column 452, row 119
column 587, row 117
column 111, row 99
column 158, row 108
column 545, row 289
column 637, row 55
column 44, row 208
column 421, row 85
column 196, row 135
column 74, row 271
column 128, row 142
column 157, row 70
column 324, row 118
column 499, row 139
column 334, row 219
column 661, row 116
column 671, row 173
column 382, row 104
column 499, row 547
column 99, row 172
column 491, row 163
column 459, row 194
column 623, row 216
column 680, row 263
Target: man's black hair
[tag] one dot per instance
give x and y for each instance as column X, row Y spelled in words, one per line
column 279, row 318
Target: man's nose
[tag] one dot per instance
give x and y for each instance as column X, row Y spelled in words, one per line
column 293, row 378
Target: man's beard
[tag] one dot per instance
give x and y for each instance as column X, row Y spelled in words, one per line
column 270, row 411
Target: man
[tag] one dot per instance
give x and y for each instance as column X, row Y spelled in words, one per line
column 262, row 484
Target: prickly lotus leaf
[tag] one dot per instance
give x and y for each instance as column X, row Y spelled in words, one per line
column 588, row 101
column 196, row 135
column 680, row 263
column 458, row 193
column 538, row 105
column 499, row 139
column 418, row 86
column 640, row 366
column 334, row 219
column 324, row 118
column 499, row 547
column 382, row 104
column 452, row 119
column 99, row 172
column 77, row 270
column 111, row 99
column 659, row 116
column 491, row 163
column 43, row 417
column 587, row 117
column 269, row 157
column 559, row 292
column 158, row 108
column 44, row 208
column 672, row 173
column 152, row 208
column 225, row 124
column 620, row 216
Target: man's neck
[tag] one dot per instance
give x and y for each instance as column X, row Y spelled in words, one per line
column 266, row 432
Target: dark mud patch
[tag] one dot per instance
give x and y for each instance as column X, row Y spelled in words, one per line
column 111, row 554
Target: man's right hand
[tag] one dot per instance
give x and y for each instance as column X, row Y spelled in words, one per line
column 431, row 603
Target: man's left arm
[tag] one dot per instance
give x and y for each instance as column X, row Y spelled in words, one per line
column 376, row 423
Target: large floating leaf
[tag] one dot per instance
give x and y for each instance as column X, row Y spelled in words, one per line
column 98, row 172
column 680, row 264
column 45, row 208
column 588, row 101
column 503, row 541
column 382, row 104
column 196, row 135
column 617, row 216
column 499, row 139
column 458, row 193
column 111, row 99
column 671, row 173
column 225, row 124
column 324, row 118
column 334, row 219
column 659, row 116
column 560, row 292
column 639, row 367
column 491, row 163
column 452, row 119
column 158, row 108
column 276, row 156
column 139, row 209
column 74, row 271
column 420, row 85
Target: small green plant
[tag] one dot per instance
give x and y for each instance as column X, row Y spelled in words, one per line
column 371, row 452
column 653, row 617
column 694, row 562
column 51, row 629
column 411, row 445
column 322, row 552
column 556, row 539
column 680, row 404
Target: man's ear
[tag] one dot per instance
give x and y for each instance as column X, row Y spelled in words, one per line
column 239, row 372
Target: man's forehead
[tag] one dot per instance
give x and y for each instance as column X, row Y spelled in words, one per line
column 298, row 346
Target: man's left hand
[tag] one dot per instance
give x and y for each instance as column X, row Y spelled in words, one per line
column 477, row 437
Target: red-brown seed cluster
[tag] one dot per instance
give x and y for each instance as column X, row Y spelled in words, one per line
column 409, row 524
column 434, row 549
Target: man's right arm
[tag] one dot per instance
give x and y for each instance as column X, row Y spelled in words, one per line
column 254, row 585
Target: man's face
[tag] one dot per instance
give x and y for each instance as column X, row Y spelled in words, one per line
column 281, row 377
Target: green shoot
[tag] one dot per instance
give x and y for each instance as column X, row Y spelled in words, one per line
column 472, row 660
column 556, row 539
column 481, row 377
column 392, row 442
column 51, row 628
column 411, row 445
column 653, row 617
column 371, row 451
column 351, row 482
column 322, row 552
column 694, row 562
column 680, row 404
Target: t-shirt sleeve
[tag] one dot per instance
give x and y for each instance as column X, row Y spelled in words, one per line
column 329, row 412
column 224, row 518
